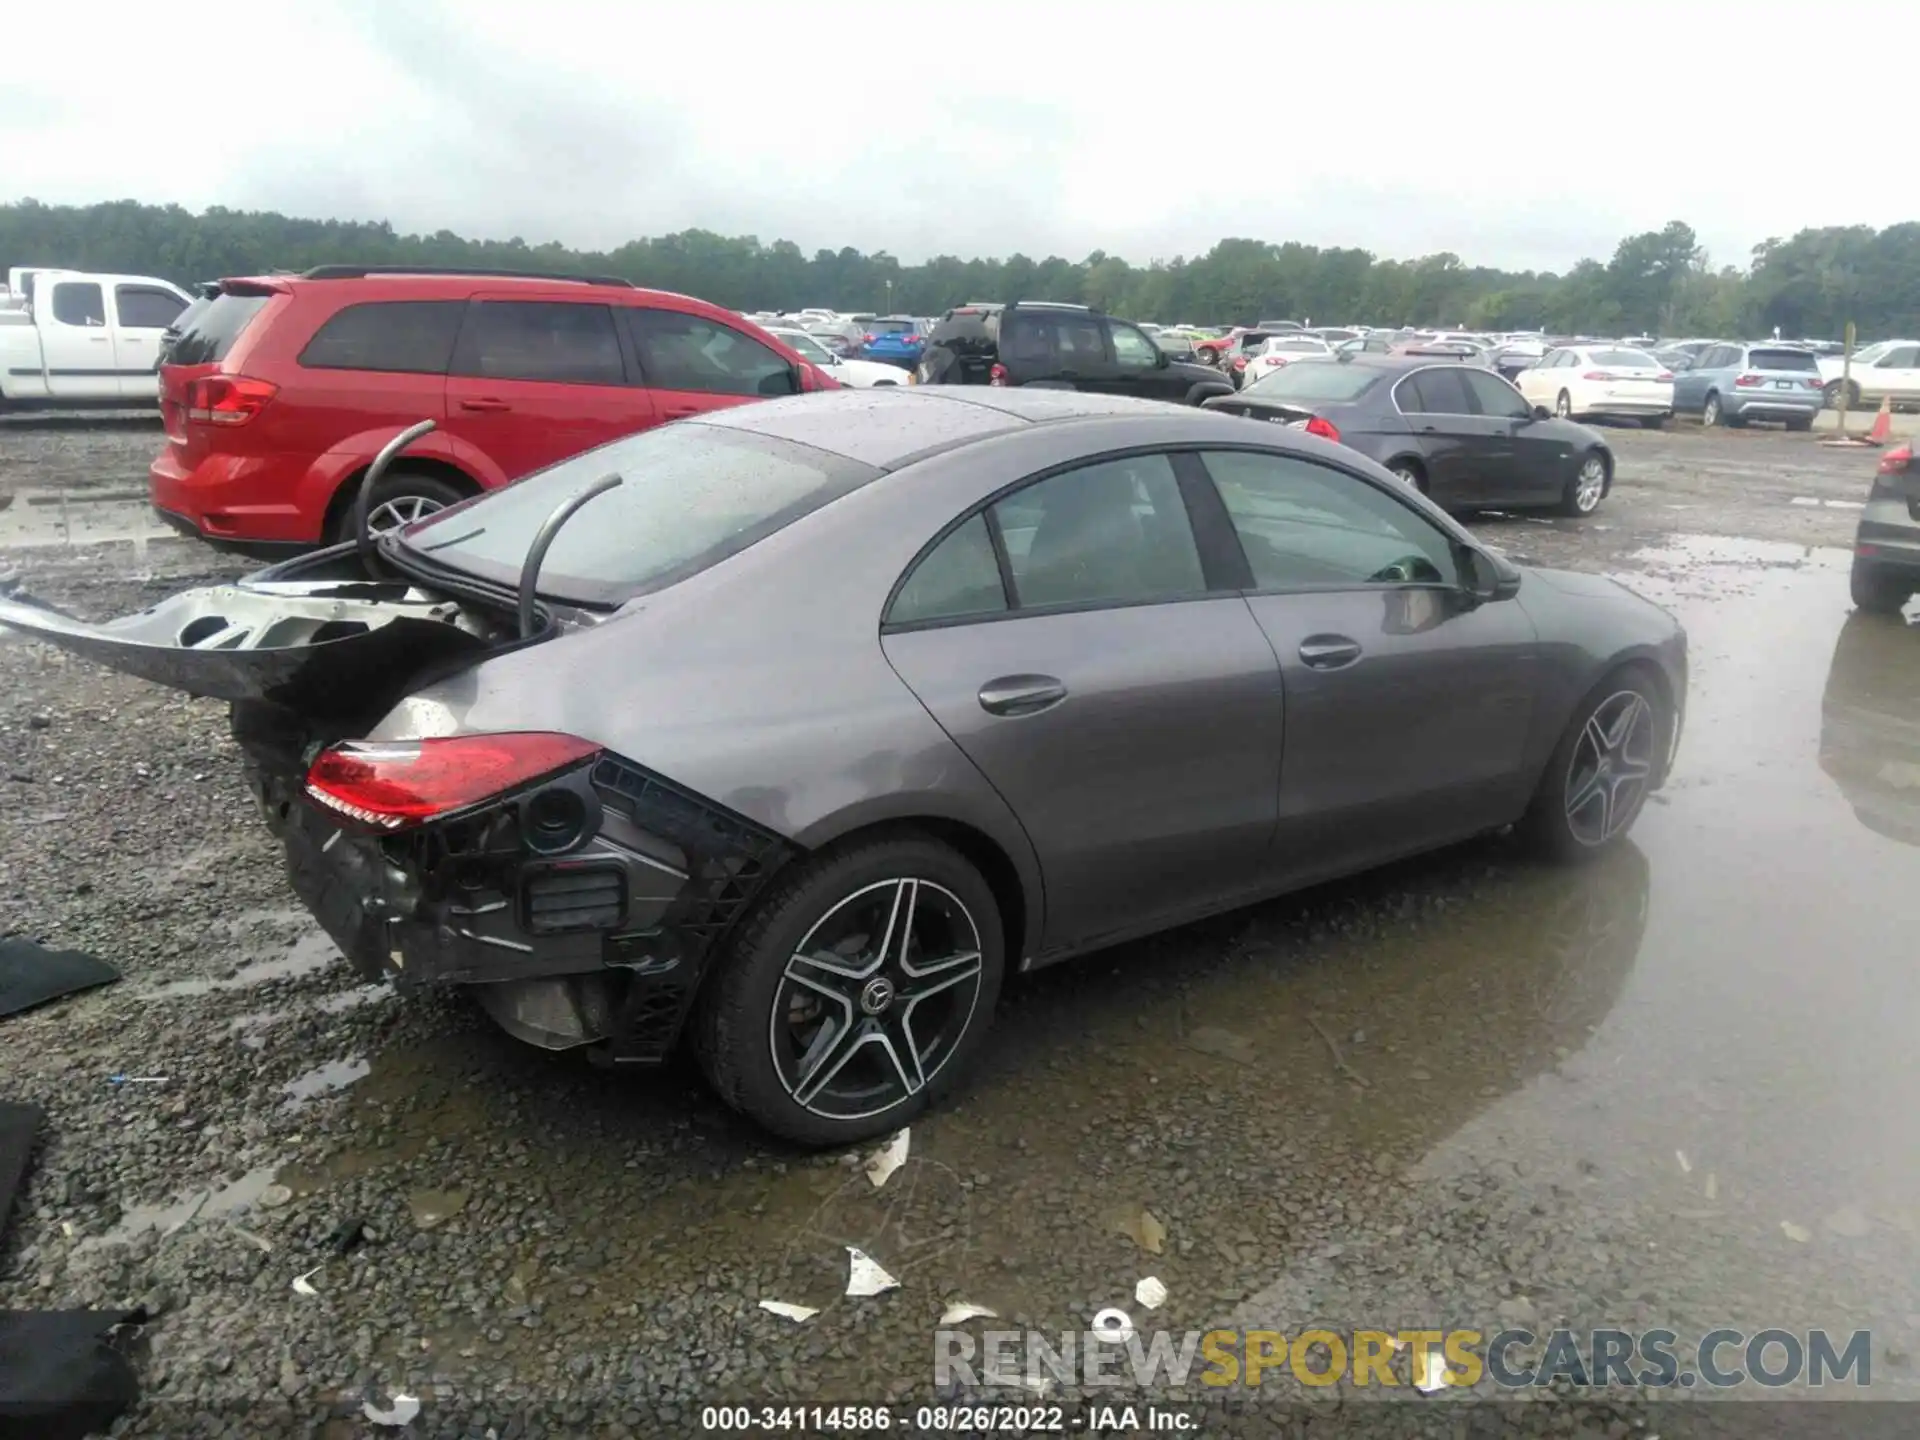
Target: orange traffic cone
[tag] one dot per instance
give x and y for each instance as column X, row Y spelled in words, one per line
column 1882, row 429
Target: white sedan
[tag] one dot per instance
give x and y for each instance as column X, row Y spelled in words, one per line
column 1599, row 380
column 1280, row 352
column 860, row 374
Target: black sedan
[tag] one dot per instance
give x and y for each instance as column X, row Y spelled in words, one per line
column 1459, row 433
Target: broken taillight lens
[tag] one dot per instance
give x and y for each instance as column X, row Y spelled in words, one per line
column 1895, row 461
column 390, row 785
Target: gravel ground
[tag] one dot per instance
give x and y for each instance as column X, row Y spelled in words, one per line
column 1461, row 1091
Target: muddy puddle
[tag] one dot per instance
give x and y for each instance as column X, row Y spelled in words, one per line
column 308, row 955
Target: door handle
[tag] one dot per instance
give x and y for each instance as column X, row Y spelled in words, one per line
column 1021, row 694
column 98, row 339
column 1329, row 652
column 486, row 406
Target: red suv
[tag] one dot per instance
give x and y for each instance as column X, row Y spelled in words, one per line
column 279, row 394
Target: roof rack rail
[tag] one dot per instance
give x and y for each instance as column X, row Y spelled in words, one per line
column 360, row 272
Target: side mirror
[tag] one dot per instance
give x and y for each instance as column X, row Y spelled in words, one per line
column 1161, row 359
column 1541, row 412
column 1485, row 578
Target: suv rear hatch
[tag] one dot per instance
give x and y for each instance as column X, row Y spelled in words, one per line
column 1782, row 372
column 189, row 409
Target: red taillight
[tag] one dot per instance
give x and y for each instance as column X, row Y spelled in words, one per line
column 1239, row 362
column 1894, row 461
column 1664, row 377
column 1747, row 382
column 866, row 339
column 227, row 399
column 1599, row 375
column 1325, row 429
column 1814, row 384
column 391, row 785
column 997, row 375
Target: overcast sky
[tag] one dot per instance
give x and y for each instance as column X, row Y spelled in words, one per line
column 1519, row 134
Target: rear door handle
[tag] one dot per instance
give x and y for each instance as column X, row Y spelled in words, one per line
column 1021, row 694
column 1329, row 652
column 486, row 406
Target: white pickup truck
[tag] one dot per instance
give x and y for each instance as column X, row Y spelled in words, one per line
column 71, row 340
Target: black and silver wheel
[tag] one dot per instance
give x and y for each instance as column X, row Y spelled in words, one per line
column 1409, row 474
column 856, row 993
column 1834, row 390
column 1711, row 413
column 1879, row 590
column 1563, row 407
column 401, row 497
column 1601, row 772
column 1587, row 487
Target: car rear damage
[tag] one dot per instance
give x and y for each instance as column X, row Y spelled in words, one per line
column 578, row 893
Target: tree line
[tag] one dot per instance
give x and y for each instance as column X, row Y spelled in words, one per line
column 1660, row 282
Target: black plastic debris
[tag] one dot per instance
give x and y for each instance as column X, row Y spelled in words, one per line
column 31, row 974
column 61, row 1375
column 18, row 1126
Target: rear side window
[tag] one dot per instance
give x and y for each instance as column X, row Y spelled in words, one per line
column 550, row 340
column 694, row 495
column 206, row 338
column 959, row 578
column 1435, row 392
column 79, row 304
column 1783, row 360
column 142, row 307
column 411, row 337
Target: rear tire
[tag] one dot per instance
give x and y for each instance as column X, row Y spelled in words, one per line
column 402, row 494
column 1711, row 415
column 1878, row 590
column 1563, row 407
column 1833, row 394
column 752, row 1016
column 1409, row 472
column 1582, row 808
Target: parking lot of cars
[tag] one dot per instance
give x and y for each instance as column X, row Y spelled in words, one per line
column 1435, row 1074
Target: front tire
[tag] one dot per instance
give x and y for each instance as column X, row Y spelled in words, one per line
column 1588, row 487
column 1599, row 775
column 1833, row 392
column 856, row 993
column 1878, row 590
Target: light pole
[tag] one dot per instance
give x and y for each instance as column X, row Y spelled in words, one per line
column 889, row 285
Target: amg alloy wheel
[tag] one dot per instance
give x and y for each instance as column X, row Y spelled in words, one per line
column 1600, row 774
column 856, row 993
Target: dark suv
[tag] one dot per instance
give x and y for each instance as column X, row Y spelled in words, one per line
column 1063, row 347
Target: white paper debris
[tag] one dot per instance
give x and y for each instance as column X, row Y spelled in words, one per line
column 887, row 1159
column 796, row 1313
column 1712, row 1189
column 1797, row 1233
column 1150, row 1292
column 960, row 1311
column 303, row 1284
column 864, row 1275
column 1435, row 1377
column 1686, row 1166
column 1113, row 1325
column 405, row 1409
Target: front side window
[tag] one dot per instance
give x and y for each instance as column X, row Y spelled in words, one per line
column 546, row 340
column 77, row 303
column 1132, row 349
column 1306, row 526
column 409, row 337
column 1496, row 396
column 1115, row 532
column 694, row 495
column 142, row 307
column 690, row 352
column 1906, row 357
column 1078, row 341
column 957, row 579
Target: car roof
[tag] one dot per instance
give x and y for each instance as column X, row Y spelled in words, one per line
column 890, row 427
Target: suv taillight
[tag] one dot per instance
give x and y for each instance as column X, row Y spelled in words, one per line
column 227, row 399
column 1747, row 382
column 997, row 375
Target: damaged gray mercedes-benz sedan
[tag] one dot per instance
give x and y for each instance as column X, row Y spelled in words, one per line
column 796, row 726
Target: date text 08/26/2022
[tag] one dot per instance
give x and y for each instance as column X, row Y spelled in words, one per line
column 949, row 1419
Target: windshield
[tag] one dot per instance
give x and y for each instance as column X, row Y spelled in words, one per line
column 694, row 495
column 1332, row 381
